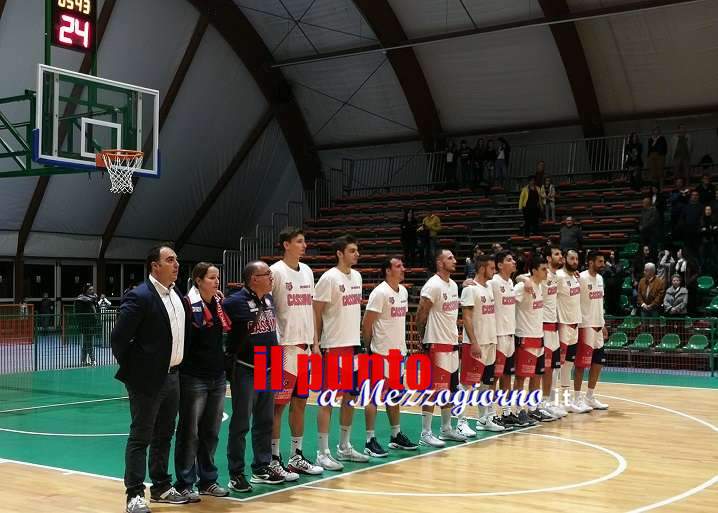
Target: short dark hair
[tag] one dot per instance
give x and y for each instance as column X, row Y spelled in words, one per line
column 154, row 254
column 341, row 243
column 386, row 264
column 200, row 271
column 250, row 270
column 534, row 262
column 438, row 253
column 501, row 256
column 593, row 255
column 481, row 261
column 288, row 234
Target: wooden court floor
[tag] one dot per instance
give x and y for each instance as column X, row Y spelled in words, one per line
column 656, row 448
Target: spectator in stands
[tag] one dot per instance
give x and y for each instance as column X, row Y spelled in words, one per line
column 613, row 275
column 649, row 226
column 540, row 172
column 651, row 290
column 496, row 248
column 479, row 152
column 409, row 226
column 548, row 194
column 451, row 158
column 570, row 236
column 690, row 224
column 633, row 161
column 709, row 236
column 502, row 160
column 657, row 149
column 471, row 262
column 706, row 190
column 490, row 161
column 86, row 315
column 530, row 206
column 665, row 264
column 430, row 228
column 676, row 301
column 45, row 310
column 103, row 303
column 682, row 148
column 465, row 159
column 688, row 268
column 679, row 200
column 639, row 263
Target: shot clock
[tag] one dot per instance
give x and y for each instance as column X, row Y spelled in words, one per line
column 73, row 24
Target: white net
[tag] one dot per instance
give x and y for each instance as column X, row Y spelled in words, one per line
column 121, row 165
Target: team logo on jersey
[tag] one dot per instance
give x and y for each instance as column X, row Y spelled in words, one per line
column 503, row 289
column 483, row 299
column 445, row 296
column 341, row 288
column 568, row 282
column 391, row 300
column 288, row 285
column 590, row 286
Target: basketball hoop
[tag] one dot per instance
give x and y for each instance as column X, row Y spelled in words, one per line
column 121, row 165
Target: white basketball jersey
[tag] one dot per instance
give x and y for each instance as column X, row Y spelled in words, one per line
column 591, row 300
column 529, row 312
column 505, row 300
column 341, row 318
column 389, row 330
column 568, row 298
column 484, row 313
column 293, row 291
column 441, row 325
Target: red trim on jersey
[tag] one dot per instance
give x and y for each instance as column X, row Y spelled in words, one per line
column 550, row 326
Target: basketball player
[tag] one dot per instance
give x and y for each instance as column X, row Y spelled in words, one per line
column 436, row 323
column 591, row 333
column 502, row 288
column 337, row 325
column 529, row 339
column 384, row 329
column 568, row 306
column 292, row 290
column 478, row 351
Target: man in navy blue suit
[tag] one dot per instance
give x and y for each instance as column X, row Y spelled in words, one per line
column 148, row 342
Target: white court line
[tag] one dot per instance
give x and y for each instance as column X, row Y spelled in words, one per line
column 622, row 465
column 674, row 412
column 372, row 467
column 62, row 404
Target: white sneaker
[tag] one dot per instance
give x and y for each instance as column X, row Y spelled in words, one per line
column 430, row 440
column 554, row 411
column 559, row 409
column 463, row 428
column 452, row 435
column 580, row 403
column 299, row 464
column 351, row 454
column 595, row 403
column 487, row 424
column 288, row 475
column 327, row 462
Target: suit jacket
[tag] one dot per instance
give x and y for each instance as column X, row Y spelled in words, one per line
column 142, row 338
column 654, row 296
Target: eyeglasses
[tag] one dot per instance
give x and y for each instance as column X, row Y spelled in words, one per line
column 264, row 274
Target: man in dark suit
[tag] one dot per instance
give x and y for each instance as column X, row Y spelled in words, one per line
column 148, row 342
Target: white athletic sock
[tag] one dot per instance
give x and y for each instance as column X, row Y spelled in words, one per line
column 296, row 444
column 426, row 417
column 395, row 430
column 566, row 374
column 589, row 394
column 555, row 390
column 483, row 410
column 275, row 447
column 446, row 419
column 369, row 435
column 323, row 442
column 346, row 432
column 576, row 395
column 506, row 409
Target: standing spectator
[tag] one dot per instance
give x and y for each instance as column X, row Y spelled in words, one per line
column 451, row 158
column 676, row 301
column 633, row 161
column 104, row 303
column 471, row 262
column 706, row 190
column 502, row 160
column 45, row 310
column 496, row 248
column 665, row 265
column 682, row 148
column 690, row 224
column 490, row 161
column 688, row 267
column 203, row 386
column 540, row 172
column 639, row 263
column 570, row 236
column 86, row 316
column 530, row 206
column 709, row 235
column 650, row 292
column 649, row 226
column 430, row 228
column 251, row 311
column 657, row 149
column 465, row 158
column 479, row 155
column 679, row 200
column 548, row 192
column 148, row 342
column 408, row 236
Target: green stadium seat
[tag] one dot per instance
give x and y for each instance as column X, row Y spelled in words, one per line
column 696, row 344
column 623, row 303
column 617, row 340
column 627, row 285
column 624, row 262
column 712, row 307
column 630, row 323
column 630, row 250
column 669, row 342
column 643, row 342
column 705, row 283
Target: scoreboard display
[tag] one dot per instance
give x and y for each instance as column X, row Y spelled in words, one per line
column 73, row 24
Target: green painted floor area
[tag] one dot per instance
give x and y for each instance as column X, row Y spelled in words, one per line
column 78, row 420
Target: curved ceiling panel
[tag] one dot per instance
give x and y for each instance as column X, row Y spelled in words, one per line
column 15, row 194
column 156, row 51
column 216, row 108
column 497, row 80
column 655, row 60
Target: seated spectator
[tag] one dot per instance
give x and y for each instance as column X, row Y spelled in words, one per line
column 570, row 236
column 650, row 292
column 471, row 262
column 649, row 226
column 709, row 235
column 676, row 300
column 706, row 190
column 633, row 161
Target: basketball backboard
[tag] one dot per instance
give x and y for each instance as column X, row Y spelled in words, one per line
column 78, row 115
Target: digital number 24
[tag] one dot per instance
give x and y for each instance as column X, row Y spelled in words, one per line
column 71, row 25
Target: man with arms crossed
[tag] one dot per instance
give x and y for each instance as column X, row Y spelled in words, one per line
column 292, row 290
column 384, row 329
